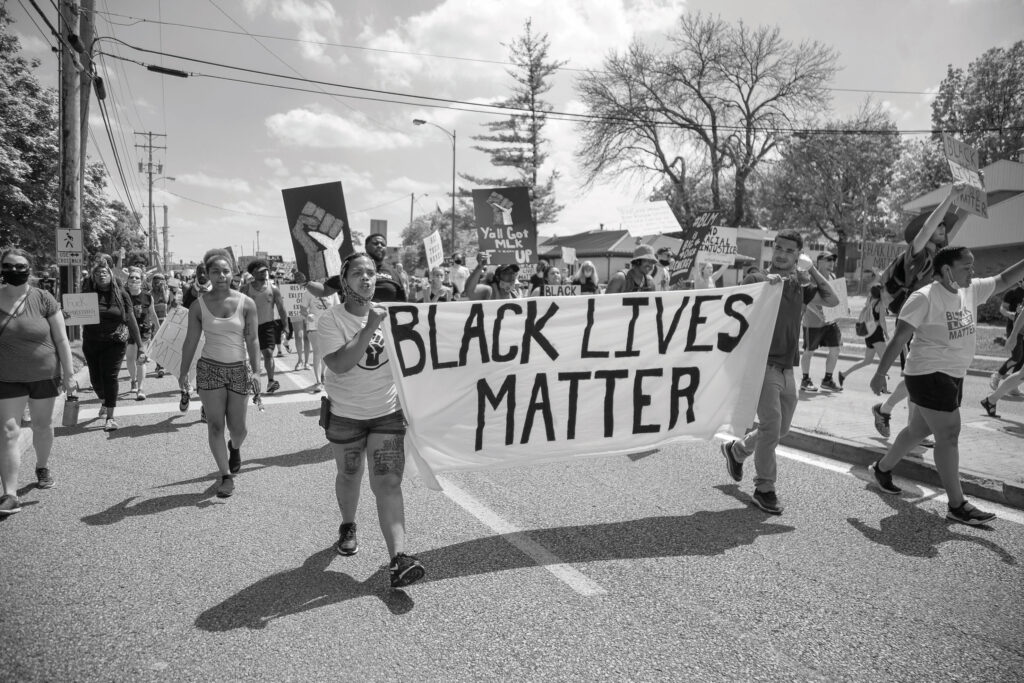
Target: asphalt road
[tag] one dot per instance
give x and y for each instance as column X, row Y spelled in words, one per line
column 649, row 567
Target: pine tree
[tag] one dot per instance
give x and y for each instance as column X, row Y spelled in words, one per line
column 518, row 142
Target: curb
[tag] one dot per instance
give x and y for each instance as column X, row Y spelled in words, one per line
column 846, row 355
column 974, row 484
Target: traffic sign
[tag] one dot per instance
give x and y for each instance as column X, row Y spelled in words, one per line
column 69, row 247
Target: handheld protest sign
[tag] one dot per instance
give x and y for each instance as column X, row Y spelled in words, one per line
column 963, row 164
column 505, row 226
column 81, row 309
column 318, row 224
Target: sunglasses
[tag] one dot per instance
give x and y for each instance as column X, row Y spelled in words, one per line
column 16, row 267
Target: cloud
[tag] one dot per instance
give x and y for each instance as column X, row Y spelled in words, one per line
column 213, row 183
column 31, row 43
column 316, row 20
column 311, row 127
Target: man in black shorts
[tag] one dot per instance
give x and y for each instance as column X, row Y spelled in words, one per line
column 817, row 333
column 267, row 298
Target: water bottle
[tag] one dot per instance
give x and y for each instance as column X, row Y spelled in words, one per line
column 69, row 418
column 804, row 263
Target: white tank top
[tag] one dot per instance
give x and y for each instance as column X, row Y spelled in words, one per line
column 225, row 337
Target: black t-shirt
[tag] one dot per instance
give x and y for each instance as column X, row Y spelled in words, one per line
column 389, row 284
column 1013, row 298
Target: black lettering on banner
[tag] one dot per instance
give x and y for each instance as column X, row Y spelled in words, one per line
column 573, row 378
column 695, row 320
column 663, row 339
column 406, row 332
column 688, row 392
column 635, row 303
column 642, row 400
column 539, row 400
column 496, row 334
column 725, row 342
column 474, row 328
column 507, row 393
column 609, row 377
column 585, row 351
column 435, row 362
column 532, row 330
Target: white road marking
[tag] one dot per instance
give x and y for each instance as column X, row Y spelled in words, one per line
column 128, row 406
column 521, row 540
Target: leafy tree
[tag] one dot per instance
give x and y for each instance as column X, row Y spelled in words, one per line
column 28, row 152
column 833, row 181
column 518, row 142
column 716, row 99
column 984, row 106
column 921, row 168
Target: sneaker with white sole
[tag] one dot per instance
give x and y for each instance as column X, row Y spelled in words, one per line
column 43, row 478
column 994, row 380
column 226, row 487
column 348, row 543
column 9, row 505
column 965, row 513
column 807, row 385
column 732, row 466
column 881, row 420
column 768, row 501
column 404, row 570
column 110, row 425
column 884, row 480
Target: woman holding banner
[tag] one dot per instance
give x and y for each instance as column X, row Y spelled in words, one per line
column 228, row 321
column 552, row 276
column 364, row 419
column 36, row 361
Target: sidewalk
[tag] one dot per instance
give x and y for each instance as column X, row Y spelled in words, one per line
column 840, row 426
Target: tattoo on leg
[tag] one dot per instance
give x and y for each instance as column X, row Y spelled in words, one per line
column 390, row 457
column 352, row 461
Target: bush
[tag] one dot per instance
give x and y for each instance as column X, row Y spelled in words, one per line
column 988, row 312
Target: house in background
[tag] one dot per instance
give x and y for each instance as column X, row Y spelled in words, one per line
column 999, row 241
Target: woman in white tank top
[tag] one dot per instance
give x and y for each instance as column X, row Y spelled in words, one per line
column 228, row 320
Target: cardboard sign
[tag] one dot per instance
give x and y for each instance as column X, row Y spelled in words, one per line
column 541, row 380
column 719, row 246
column 561, row 290
column 691, row 244
column 505, row 227
column 842, row 309
column 878, row 255
column 168, row 341
column 292, row 295
column 568, row 255
column 648, row 218
column 318, row 223
column 81, row 309
column 963, row 164
column 434, row 248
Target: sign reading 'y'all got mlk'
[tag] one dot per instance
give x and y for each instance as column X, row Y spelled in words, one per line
column 538, row 380
column 506, row 230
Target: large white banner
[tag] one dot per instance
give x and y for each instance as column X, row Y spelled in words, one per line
column 546, row 379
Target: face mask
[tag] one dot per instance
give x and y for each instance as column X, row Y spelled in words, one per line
column 134, row 287
column 16, row 278
column 664, row 263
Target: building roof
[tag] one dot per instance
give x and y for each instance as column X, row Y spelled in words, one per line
column 590, row 243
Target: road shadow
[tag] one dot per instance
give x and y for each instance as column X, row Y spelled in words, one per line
column 310, row 456
column 916, row 532
column 153, row 506
column 171, row 423
column 313, row 585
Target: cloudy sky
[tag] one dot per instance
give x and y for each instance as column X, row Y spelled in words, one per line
column 232, row 146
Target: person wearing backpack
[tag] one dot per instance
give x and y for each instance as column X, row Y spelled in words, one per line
column 870, row 326
column 911, row 271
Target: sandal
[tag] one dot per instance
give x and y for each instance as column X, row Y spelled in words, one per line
column 989, row 407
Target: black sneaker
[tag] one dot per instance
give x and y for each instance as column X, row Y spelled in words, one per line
column 183, row 403
column 842, row 379
column 768, row 501
column 881, row 420
column 347, row 543
column 234, row 458
column 226, row 487
column 830, row 385
column 10, row 505
column 989, row 407
column 884, row 479
column 967, row 514
column 732, row 466
column 807, row 385
column 404, row 570
column 273, row 386
column 43, row 478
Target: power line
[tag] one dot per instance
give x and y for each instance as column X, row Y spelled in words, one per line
column 223, row 208
column 46, row 38
column 430, row 55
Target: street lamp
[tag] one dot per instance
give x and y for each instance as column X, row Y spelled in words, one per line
column 451, row 134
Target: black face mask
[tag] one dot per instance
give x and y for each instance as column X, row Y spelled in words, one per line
column 15, row 278
column 665, row 263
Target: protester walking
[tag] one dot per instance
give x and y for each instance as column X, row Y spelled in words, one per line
column 312, row 308
column 875, row 332
column 163, row 299
column 820, row 333
column 364, row 420
column 303, row 345
column 228, row 321
column 778, row 399
column 1011, row 308
column 638, row 278
column 144, row 310
column 36, row 363
column 941, row 318
column 269, row 305
column 105, row 343
column 1009, row 384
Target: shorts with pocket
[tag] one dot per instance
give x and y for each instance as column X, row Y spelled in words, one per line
column 212, row 375
column 342, row 430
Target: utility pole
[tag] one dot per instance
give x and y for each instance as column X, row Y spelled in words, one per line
column 148, row 169
column 412, row 198
column 87, row 33
column 71, row 144
column 166, row 253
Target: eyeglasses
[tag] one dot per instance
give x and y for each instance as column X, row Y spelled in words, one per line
column 16, row 267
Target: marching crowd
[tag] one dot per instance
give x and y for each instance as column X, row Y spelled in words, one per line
column 337, row 334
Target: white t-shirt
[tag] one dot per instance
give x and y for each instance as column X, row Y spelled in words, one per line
column 459, row 275
column 945, row 336
column 367, row 390
column 315, row 307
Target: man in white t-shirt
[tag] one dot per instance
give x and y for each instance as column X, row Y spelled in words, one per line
column 459, row 275
column 941, row 318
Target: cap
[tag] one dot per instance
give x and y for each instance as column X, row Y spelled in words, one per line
column 504, row 267
column 643, row 252
column 917, row 222
column 824, row 256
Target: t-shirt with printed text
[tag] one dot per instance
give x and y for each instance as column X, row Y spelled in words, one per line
column 367, row 390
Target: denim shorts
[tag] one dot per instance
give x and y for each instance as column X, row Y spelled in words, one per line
column 47, row 388
column 342, row 430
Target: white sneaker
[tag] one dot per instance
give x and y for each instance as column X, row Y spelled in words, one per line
column 994, row 380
